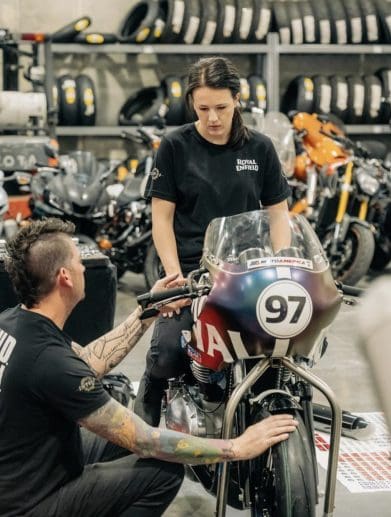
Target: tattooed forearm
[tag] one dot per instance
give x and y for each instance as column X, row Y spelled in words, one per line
column 119, row 425
column 107, row 351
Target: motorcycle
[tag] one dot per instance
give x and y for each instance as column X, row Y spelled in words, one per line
column 259, row 325
column 378, row 178
column 127, row 237
column 104, row 203
column 330, row 188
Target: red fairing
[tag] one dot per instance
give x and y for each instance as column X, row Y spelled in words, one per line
column 211, row 340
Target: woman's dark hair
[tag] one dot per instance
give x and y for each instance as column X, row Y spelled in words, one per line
column 220, row 73
column 35, row 255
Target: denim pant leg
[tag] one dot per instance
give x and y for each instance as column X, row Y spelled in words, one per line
column 165, row 359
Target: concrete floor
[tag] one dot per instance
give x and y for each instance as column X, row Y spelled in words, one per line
column 343, row 368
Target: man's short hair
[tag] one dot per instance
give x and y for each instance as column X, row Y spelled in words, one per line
column 35, row 256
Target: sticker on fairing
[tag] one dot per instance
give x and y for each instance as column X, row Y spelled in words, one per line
column 284, row 309
column 280, row 261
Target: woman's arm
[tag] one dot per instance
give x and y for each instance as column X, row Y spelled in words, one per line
column 165, row 243
column 280, row 232
column 163, row 234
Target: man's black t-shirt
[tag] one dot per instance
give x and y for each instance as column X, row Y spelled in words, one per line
column 206, row 180
column 44, row 389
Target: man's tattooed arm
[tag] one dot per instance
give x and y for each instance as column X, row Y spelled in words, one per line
column 119, row 425
column 107, row 351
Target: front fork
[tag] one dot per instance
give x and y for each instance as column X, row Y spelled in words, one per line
column 341, row 222
column 336, row 427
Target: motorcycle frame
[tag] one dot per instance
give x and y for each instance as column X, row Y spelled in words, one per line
column 336, row 427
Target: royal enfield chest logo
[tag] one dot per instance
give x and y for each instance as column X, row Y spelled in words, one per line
column 284, row 309
column 246, row 165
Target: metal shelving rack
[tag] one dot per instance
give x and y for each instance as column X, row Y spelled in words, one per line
column 271, row 51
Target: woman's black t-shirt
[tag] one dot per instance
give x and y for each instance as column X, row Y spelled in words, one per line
column 45, row 388
column 206, row 180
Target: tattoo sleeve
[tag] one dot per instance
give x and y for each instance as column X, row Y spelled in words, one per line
column 107, row 351
column 119, row 425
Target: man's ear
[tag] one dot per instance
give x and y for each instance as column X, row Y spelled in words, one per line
column 64, row 278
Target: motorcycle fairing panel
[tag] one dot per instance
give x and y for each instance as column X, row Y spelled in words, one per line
column 261, row 305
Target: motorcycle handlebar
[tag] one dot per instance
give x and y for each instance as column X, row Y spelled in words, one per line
column 152, row 301
column 163, row 296
column 350, row 290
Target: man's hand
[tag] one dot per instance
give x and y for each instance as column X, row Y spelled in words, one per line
column 259, row 437
column 169, row 282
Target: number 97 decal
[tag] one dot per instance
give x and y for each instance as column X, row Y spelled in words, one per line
column 284, row 309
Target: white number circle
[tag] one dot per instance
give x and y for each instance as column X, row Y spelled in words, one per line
column 284, row 309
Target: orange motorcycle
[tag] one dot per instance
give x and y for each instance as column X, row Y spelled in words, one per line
column 328, row 188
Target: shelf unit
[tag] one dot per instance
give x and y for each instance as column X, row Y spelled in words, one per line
column 378, row 129
column 269, row 55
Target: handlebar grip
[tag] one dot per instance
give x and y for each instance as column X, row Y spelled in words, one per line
column 159, row 296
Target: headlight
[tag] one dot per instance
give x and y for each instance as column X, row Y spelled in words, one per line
column 368, row 184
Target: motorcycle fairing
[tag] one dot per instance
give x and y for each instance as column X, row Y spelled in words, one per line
column 261, row 304
column 229, row 328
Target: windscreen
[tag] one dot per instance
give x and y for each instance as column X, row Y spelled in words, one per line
column 260, row 239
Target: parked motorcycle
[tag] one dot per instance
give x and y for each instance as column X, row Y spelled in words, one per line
column 259, row 323
column 127, row 237
column 377, row 175
column 105, row 205
column 331, row 189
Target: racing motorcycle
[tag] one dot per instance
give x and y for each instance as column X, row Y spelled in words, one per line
column 104, row 203
column 259, row 325
column 331, row 189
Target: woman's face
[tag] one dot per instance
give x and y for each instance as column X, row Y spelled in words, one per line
column 215, row 109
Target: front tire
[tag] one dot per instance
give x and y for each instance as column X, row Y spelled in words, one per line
column 282, row 479
column 354, row 254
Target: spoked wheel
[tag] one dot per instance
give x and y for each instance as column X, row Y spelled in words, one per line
column 354, row 255
column 282, row 479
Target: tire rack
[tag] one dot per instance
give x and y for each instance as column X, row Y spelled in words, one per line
column 267, row 65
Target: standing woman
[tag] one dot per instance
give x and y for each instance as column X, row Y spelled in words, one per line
column 214, row 167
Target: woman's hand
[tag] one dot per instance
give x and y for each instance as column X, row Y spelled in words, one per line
column 169, row 282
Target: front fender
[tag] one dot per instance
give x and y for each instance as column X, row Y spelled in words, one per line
column 274, row 402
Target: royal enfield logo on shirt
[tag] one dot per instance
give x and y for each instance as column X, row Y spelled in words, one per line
column 246, row 165
column 7, row 345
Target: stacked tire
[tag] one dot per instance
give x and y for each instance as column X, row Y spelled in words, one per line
column 249, row 21
column 332, row 21
column 197, row 21
column 353, row 99
column 75, row 98
column 168, row 100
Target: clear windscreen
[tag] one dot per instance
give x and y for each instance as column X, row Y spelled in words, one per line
column 278, row 128
column 82, row 165
column 260, row 239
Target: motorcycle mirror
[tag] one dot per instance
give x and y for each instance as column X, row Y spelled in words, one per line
column 50, row 151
